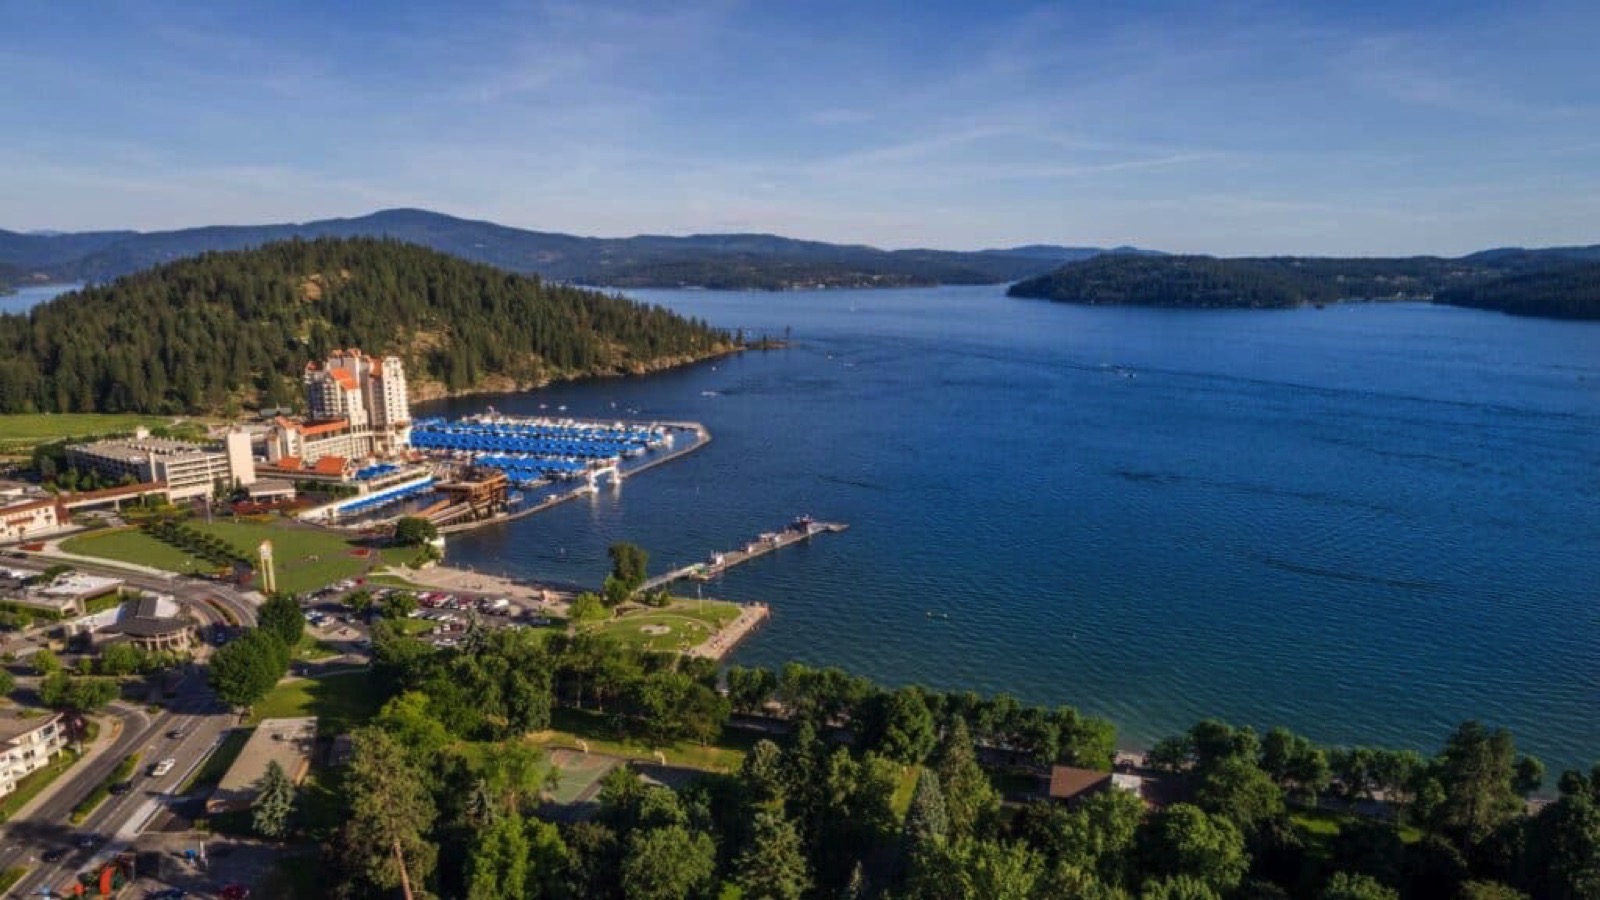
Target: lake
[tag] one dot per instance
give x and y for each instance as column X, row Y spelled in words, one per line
column 1368, row 522
column 26, row 298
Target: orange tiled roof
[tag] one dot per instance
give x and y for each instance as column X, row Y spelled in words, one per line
column 288, row 463
column 345, row 379
column 314, row 428
column 329, row 465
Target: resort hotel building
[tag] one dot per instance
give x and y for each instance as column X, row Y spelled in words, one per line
column 357, row 407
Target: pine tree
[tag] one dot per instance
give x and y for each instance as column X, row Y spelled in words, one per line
column 773, row 868
column 274, row 803
column 970, row 799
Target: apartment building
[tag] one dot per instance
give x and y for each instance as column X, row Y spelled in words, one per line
column 27, row 744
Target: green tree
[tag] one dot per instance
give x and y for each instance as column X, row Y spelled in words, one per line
column 1345, row 886
column 244, row 670
column 274, row 802
column 900, row 726
column 1234, row 787
column 1184, row 840
column 669, row 863
column 410, row 721
column 400, row 604
column 281, row 616
column 927, row 822
column 414, row 531
column 1489, row 890
column 45, row 662
column 628, row 565
column 8, row 682
column 118, row 659
column 385, row 839
column 587, row 607
column 974, row 869
column 970, row 800
column 497, row 865
column 762, row 772
column 1179, row 887
column 773, row 867
column 1477, row 771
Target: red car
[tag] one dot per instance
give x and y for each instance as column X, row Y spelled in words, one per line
column 234, row 892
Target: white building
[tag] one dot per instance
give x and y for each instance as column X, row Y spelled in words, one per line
column 27, row 744
column 30, row 518
column 357, row 406
column 187, row 469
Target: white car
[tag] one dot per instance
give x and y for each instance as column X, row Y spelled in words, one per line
column 163, row 767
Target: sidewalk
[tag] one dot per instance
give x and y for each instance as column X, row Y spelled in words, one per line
column 110, row 730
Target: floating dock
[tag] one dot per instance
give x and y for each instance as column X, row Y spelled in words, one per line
column 801, row 529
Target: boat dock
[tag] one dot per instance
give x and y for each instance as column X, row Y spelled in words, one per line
column 801, row 529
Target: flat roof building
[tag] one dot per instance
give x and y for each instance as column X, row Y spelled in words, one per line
column 187, row 469
column 289, row 742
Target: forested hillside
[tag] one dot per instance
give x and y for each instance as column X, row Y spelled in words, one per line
column 227, row 329
column 1569, row 292
column 1205, row 282
column 1197, row 282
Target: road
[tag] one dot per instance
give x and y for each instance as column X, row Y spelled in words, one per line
column 200, row 719
column 192, row 593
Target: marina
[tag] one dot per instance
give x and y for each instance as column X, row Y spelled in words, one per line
column 801, row 529
column 491, row 468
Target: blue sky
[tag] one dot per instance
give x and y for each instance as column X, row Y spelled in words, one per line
column 1233, row 128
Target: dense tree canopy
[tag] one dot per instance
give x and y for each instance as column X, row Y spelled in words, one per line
column 239, row 327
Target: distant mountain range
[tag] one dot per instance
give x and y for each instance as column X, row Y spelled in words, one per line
column 732, row 261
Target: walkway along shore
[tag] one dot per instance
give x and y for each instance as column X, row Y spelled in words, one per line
column 722, row 642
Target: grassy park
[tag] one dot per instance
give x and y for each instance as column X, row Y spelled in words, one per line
column 680, row 626
column 305, row 558
column 340, row 702
column 21, row 432
column 576, row 729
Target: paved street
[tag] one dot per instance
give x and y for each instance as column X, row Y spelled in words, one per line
column 119, row 819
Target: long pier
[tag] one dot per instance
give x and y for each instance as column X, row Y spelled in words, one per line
column 797, row 531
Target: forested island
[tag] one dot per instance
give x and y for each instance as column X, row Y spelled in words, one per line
column 1566, row 292
column 234, row 329
column 814, row 783
column 1533, row 282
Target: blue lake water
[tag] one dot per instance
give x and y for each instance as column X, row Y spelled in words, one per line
column 26, row 298
column 1367, row 523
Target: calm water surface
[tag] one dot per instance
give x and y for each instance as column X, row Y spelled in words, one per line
column 1367, row 522
column 26, row 298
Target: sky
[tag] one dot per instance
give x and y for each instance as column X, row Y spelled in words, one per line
column 1366, row 128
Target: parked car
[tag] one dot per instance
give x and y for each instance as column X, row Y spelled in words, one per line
column 120, row 788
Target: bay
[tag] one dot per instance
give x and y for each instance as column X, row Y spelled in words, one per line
column 1367, row 522
column 25, row 298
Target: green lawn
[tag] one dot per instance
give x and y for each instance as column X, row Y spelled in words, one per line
column 569, row 726
column 340, row 702
column 35, row 781
column 412, row 627
column 311, row 649
column 685, row 623
column 25, row 430
column 11, row 876
column 305, row 559
column 901, row 801
column 218, row 763
column 134, row 546
column 1323, row 825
